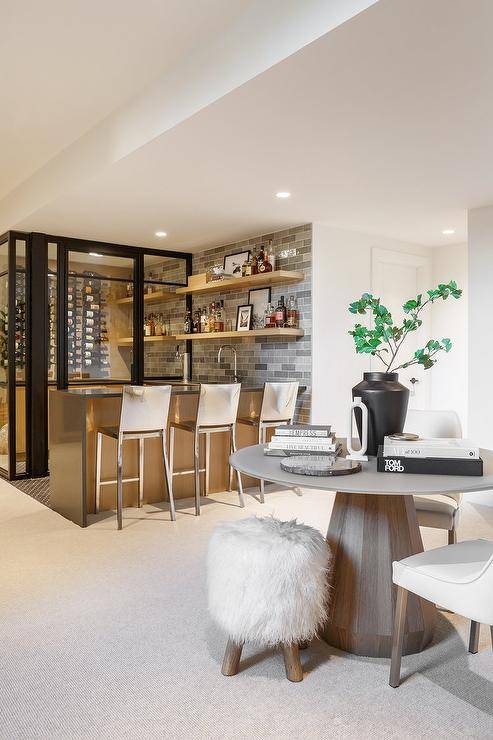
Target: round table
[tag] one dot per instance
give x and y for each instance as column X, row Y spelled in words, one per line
column 373, row 523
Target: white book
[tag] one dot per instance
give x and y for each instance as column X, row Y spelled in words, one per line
column 426, row 448
column 295, row 445
column 327, row 443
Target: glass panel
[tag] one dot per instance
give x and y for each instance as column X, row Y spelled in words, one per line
column 164, row 315
column 52, row 317
column 20, row 356
column 4, row 359
column 100, row 317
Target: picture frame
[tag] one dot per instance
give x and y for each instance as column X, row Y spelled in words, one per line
column 259, row 298
column 244, row 317
column 233, row 262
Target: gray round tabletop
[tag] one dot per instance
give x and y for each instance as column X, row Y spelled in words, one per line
column 253, row 462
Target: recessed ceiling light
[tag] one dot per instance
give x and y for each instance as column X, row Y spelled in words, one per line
column 283, row 194
column 95, row 254
column 448, row 231
column 161, row 234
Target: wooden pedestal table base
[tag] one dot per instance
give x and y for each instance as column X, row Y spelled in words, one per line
column 367, row 532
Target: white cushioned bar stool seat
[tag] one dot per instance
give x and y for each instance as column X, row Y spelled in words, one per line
column 267, row 584
column 438, row 512
column 459, row 577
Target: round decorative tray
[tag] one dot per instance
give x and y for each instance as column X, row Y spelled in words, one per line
column 319, row 465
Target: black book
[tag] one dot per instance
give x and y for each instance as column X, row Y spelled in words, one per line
column 429, row 465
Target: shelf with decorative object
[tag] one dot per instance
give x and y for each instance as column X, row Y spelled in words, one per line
column 157, row 297
column 199, row 286
column 251, row 334
column 128, row 341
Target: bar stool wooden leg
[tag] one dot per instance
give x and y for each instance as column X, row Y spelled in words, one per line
column 474, row 637
column 119, row 484
column 207, row 461
column 99, row 444
column 141, row 472
column 292, row 662
column 231, row 660
column 238, row 474
column 169, row 479
column 196, row 455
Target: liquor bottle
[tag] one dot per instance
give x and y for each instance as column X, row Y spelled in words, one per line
column 202, row 320
column 247, row 268
column 147, row 327
column 264, row 265
column 219, row 319
column 268, row 316
column 292, row 314
column 255, row 261
column 280, row 313
column 187, row 325
column 158, row 326
column 271, row 255
column 196, row 322
column 206, row 320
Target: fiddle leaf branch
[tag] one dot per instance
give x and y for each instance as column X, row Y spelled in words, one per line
column 384, row 339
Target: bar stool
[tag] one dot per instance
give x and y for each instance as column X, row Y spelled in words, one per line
column 277, row 409
column 144, row 414
column 216, row 412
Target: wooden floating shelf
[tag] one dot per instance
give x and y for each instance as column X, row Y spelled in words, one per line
column 242, row 334
column 128, row 341
column 157, row 297
column 277, row 277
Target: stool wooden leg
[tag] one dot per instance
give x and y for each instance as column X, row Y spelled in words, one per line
column 474, row 637
column 169, row 480
column 231, row 660
column 99, row 443
column 119, row 484
column 292, row 662
column 196, row 453
column 141, row 472
column 452, row 536
column 238, row 474
column 398, row 637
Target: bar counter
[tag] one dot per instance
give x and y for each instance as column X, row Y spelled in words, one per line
column 76, row 413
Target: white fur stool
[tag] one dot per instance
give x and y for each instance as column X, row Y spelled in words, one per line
column 267, row 584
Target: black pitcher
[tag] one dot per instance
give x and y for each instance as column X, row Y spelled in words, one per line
column 386, row 400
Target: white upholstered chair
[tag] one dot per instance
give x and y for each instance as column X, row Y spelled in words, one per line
column 278, row 407
column 216, row 412
column 459, row 577
column 439, row 512
column 144, row 414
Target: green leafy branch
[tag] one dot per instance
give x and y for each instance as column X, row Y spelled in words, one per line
column 384, row 339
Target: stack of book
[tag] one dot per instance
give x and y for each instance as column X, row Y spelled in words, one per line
column 303, row 439
column 430, row 456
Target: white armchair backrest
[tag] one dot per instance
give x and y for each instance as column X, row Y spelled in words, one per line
column 145, row 408
column 430, row 424
column 279, row 401
column 218, row 404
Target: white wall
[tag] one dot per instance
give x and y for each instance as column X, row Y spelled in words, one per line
column 480, row 236
column 341, row 273
column 449, row 319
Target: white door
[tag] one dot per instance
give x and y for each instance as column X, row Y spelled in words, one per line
column 397, row 277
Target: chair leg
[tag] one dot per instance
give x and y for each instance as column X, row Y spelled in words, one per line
column 238, row 474
column 196, row 454
column 474, row 637
column 261, row 440
column 119, row 484
column 169, row 479
column 171, row 449
column 452, row 536
column 292, row 662
column 207, row 461
column 398, row 637
column 231, row 660
column 99, row 444
column 141, row 472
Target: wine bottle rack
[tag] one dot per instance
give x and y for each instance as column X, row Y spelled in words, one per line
column 88, row 350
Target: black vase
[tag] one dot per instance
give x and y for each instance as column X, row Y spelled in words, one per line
column 386, row 400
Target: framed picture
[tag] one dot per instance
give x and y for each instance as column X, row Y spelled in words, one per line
column 244, row 318
column 233, row 262
column 259, row 298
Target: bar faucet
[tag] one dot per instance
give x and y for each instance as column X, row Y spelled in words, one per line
column 185, row 358
column 229, row 346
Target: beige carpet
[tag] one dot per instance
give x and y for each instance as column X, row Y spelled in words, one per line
column 105, row 634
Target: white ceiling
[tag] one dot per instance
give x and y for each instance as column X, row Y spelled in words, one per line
column 382, row 125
